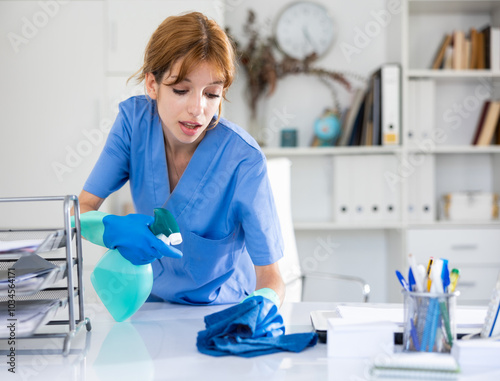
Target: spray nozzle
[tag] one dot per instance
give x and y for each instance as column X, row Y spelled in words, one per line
column 165, row 227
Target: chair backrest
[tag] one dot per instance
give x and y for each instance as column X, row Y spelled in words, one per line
column 321, row 286
column 279, row 172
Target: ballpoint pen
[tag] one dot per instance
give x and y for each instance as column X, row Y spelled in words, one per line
column 414, row 335
column 411, row 280
column 429, row 269
column 434, row 305
column 445, row 275
column 402, row 280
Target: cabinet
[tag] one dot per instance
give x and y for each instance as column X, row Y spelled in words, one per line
column 435, row 157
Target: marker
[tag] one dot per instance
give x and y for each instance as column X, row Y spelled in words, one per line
column 455, row 274
column 429, row 268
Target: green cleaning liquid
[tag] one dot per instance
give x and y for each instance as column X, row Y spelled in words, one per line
column 124, row 287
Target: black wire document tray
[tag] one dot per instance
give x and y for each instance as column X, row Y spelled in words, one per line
column 31, row 314
column 31, row 274
column 41, row 273
column 16, row 243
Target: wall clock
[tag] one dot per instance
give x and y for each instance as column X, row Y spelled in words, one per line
column 303, row 28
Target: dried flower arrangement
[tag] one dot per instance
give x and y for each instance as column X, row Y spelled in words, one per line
column 263, row 70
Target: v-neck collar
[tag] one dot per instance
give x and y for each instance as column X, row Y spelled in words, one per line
column 191, row 180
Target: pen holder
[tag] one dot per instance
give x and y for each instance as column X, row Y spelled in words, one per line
column 429, row 321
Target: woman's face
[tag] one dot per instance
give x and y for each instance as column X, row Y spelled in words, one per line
column 187, row 108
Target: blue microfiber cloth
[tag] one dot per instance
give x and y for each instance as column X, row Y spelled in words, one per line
column 249, row 329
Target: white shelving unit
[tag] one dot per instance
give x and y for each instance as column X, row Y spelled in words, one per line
column 453, row 164
column 458, row 166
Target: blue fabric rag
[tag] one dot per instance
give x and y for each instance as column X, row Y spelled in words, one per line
column 249, row 329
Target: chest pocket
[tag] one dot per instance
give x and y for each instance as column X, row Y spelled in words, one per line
column 207, row 260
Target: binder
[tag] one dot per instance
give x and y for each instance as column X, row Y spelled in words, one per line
column 380, row 200
column 413, row 131
column 390, row 193
column 421, row 189
column 342, row 189
column 373, row 184
column 376, row 137
column 413, row 193
column 427, row 101
column 390, row 93
column 360, row 187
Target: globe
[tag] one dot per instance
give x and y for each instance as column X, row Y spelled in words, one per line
column 327, row 129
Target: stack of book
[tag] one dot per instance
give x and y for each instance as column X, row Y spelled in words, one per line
column 374, row 116
column 475, row 49
column 488, row 130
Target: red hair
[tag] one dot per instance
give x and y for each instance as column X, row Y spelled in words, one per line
column 190, row 39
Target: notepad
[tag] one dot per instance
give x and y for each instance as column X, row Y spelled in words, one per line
column 428, row 366
column 465, row 317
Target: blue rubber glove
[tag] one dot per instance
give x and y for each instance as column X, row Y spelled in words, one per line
column 268, row 293
column 129, row 234
column 269, row 321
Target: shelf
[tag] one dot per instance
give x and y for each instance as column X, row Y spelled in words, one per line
column 457, row 149
column 447, row 6
column 327, row 151
column 455, row 224
column 451, row 74
column 374, row 225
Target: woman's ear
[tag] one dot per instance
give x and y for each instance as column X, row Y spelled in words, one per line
column 151, row 86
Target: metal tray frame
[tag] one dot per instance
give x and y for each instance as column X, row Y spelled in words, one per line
column 74, row 288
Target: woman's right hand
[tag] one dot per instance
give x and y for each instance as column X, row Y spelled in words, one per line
column 130, row 234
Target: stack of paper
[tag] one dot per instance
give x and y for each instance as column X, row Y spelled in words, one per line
column 26, row 245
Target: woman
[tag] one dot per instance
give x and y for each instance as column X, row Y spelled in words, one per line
column 178, row 153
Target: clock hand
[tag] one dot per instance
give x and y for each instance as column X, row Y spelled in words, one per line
column 305, row 32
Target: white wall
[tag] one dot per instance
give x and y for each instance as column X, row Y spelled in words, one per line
column 303, row 98
column 57, row 88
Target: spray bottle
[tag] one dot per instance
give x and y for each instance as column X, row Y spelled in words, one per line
column 124, row 287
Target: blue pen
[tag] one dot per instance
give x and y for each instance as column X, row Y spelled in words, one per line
column 414, row 335
column 411, row 280
column 402, row 280
column 445, row 275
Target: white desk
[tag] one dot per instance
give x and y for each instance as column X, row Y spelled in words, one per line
column 159, row 343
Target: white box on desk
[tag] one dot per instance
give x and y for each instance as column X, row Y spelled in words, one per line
column 359, row 337
column 477, row 353
column 468, row 206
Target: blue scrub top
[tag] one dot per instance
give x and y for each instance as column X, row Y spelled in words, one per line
column 223, row 204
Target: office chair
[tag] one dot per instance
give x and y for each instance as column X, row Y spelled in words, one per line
column 279, row 171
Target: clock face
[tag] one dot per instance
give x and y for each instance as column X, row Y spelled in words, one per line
column 304, row 28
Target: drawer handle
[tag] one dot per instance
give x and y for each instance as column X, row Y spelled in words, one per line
column 468, row 284
column 464, row 247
